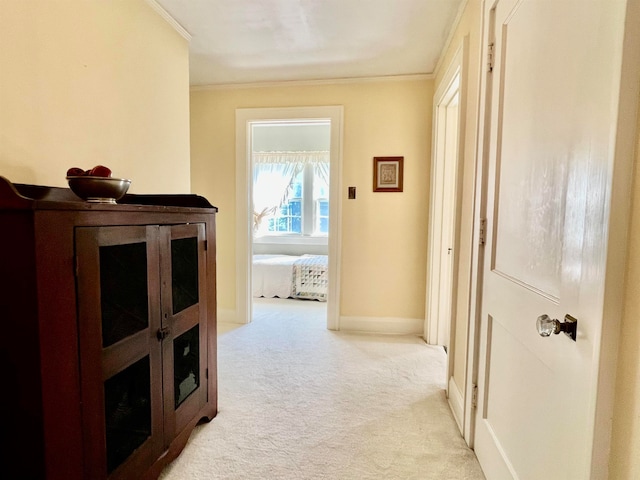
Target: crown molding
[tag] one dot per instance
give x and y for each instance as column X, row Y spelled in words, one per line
column 169, row 19
column 329, row 81
column 452, row 31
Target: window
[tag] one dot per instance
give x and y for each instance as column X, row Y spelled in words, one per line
column 291, row 193
column 290, row 161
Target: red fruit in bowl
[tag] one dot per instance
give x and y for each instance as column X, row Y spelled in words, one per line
column 100, row 171
column 75, row 172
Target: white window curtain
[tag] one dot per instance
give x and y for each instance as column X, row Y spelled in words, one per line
column 273, row 173
column 321, row 170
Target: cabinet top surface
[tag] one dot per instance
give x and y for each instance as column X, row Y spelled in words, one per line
column 41, row 197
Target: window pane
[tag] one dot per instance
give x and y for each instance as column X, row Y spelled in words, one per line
column 127, row 411
column 297, row 187
column 296, row 225
column 186, row 364
column 184, row 273
column 123, row 291
column 288, row 217
column 295, row 209
column 321, row 199
column 322, row 217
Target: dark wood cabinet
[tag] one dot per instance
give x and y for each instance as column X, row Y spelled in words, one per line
column 109, row 314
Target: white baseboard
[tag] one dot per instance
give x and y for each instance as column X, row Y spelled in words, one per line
column 456, row 403
column 388, row 325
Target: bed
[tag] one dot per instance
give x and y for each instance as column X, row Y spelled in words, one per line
column 290, row 276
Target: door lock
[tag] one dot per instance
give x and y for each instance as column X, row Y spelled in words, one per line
column 546, row 326
column 163, row 333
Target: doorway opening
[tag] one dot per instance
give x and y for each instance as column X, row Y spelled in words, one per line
column 443, row 219
column 288, row 207
column 290, row 191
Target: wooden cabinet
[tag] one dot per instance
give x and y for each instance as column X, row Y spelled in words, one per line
column 109, row 315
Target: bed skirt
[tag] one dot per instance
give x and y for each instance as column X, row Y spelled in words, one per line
column 290, row 276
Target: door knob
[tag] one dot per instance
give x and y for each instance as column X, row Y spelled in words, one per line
column 546, row 326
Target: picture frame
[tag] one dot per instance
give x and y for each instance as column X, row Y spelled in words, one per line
column 387, row 174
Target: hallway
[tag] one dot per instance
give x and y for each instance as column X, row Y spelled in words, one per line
column 300, row 402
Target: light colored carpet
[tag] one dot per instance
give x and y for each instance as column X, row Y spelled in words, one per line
column 297, row 401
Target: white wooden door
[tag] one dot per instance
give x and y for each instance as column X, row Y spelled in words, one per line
column 553, row 114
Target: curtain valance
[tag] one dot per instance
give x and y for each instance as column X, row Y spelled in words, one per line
column 291, row 157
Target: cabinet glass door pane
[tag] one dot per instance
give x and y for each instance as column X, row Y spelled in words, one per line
column 186, row 364
column 184, row 273
column 127, row 410
column 123, row 291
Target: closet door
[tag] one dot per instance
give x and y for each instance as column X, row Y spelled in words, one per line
column 184, row 313
column 118, row 278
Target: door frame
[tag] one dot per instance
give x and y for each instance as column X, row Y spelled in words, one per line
column 477, row 243
column 244, row 192
column 624, row 140
column 439, row 329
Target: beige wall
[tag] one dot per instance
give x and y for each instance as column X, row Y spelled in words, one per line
column 384, row 235
column 86, row 83
column 625, row 445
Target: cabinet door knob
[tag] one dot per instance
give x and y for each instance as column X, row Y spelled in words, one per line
column 162, row 333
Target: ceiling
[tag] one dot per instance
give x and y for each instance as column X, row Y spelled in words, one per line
column 254, row 41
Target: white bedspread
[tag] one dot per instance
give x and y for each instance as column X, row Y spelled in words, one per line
column 303, row 277
column 273, row 275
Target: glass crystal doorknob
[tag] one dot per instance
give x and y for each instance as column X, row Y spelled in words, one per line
column 547, row 325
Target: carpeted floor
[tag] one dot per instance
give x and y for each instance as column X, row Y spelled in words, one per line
column 297, row 401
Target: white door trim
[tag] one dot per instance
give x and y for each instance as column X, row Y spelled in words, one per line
column 620, row 213
column 437, row 327
column 454, row 81
column 477, row 254
column 244, row 218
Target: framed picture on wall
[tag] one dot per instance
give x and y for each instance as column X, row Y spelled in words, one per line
column 387, row 174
